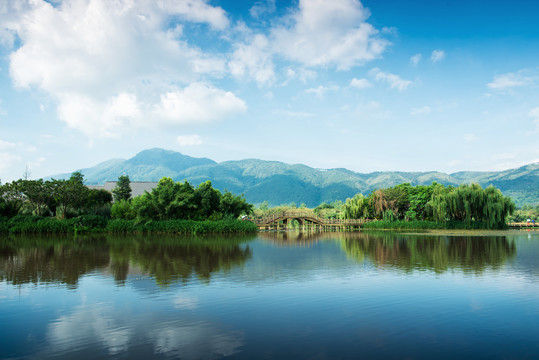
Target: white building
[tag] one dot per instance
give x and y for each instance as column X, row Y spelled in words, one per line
column 137, row 187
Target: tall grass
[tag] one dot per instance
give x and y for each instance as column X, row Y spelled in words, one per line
column 182, row 227
column 95, row 223
column 423, row 225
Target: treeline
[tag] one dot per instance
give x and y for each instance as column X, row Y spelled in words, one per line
column 524, row 213
column 62, row 206
column 171, row 200
column 53, row 198
column 470, row 205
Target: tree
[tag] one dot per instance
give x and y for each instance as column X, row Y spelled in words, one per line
column 70, row 194
column 232, row 206
column 122, row 191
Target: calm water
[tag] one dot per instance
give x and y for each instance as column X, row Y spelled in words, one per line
column 275, row 295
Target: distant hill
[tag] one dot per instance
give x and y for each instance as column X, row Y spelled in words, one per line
column 280, row 183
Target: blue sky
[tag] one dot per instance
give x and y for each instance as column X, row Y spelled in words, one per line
column 369, row 86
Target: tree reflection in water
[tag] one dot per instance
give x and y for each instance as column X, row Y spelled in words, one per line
column 409, row 252
column 168, row 259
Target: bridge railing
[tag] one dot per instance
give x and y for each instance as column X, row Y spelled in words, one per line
column 308, row 215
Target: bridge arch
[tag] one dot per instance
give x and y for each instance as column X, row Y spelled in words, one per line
column 307, row 220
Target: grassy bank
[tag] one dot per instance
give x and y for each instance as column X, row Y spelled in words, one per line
column 94, row 223
column 423, row 225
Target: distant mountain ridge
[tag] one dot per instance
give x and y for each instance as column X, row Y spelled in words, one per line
column 281, row 183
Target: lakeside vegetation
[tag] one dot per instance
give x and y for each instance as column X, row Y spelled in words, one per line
column 418, row 207
column 68, row 206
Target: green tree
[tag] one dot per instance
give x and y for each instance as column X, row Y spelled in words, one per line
column 232, row 206
column 70, row 194
column 122, row 191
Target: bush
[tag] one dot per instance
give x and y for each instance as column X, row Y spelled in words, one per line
column 122, row 209
column 90, row 222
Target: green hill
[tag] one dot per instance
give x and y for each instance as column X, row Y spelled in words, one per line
column 280, row 183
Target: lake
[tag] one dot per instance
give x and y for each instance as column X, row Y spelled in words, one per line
column 274, row 295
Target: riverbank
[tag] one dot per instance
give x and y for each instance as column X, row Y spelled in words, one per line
column 425, row 225
column 96, row 224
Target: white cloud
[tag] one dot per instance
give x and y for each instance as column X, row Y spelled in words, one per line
column 360, row 83
column 437, row 55
column 510, row 80
column 189, row 140
column 99, row 118
column 328, row 33
column 253, row 59
column 421, row 110
column 320, row 91
column 5, row 145
column 415, row 59
column 107, row 65
column 261, row 8
column 198, row 103
column 394, row 81
column 196, row 11
column 302, row 74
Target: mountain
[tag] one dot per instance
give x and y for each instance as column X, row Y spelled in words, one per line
column 147, row 165
column 280, row 183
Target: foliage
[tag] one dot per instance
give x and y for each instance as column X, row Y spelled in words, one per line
column 186, row 227
column 464, row 204
column 175, row 200
column 123, row 209
column 122, row 191
column 524, row 213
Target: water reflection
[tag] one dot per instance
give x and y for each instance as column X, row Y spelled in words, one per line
column 409, row 252
column 167, row 259
column 50, row 260
column 437, row 253
column 119, row 332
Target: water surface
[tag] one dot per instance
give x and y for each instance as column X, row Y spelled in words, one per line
column 366, row 295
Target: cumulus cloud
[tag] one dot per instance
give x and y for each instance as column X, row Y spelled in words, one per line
column 511, row 80
column 360, row 83
column 109, row 65
column 198, row 103
column 437, row 55
column 253, row 59
column 196, row 11
column 334, row 33
column 394, row 81
column 320, row 91
column 189, row 140
column 414, row 60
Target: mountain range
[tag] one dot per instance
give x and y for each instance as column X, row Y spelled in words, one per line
column 280, row 183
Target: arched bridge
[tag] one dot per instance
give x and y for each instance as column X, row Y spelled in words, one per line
column 306, row 220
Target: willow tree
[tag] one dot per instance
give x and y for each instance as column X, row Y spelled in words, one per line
column 355, row 208
column 472, row 203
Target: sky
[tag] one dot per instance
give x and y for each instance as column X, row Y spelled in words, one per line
column 376, row 85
